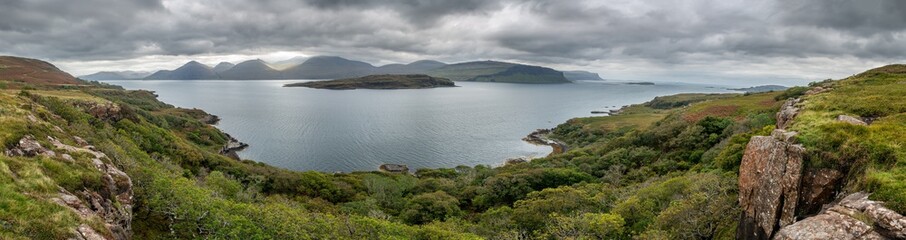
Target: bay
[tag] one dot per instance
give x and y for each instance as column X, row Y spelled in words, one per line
column 358, row 130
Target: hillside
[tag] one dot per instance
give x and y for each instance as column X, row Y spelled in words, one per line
column 32, row 71
column 328, row 67
column 222, row 66
column 119, row 75
column 190, row 71
column 762, row 88
column 417, row 67
column 493, row 71
column 383, row 81
column 250, row 70
column 102, row 161
column 581, row 75
column 523, row 74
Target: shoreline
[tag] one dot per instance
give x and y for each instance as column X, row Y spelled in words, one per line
column 539, row 137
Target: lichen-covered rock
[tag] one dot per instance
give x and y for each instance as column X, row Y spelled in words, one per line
column 787, row 112
column 819, row 187
column 85, row 232
column 816, row 90
column 769, row 184
column 28, row 146
column 851, row 120
column 854, row 217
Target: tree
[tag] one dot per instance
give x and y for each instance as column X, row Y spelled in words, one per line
column 427, row 207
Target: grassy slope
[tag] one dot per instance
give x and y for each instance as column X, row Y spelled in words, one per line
column 174, row 188
column 874, row 156
column 651, row 172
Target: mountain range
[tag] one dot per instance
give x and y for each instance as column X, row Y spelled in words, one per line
column 333, row 67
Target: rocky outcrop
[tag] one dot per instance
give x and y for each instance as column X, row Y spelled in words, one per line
column 232, row 147
column 112, row 202
column 854, row 217
column 539, row 137
column 816, row 90
column 787, row 112
column 28, row 146
column 769, row 184
column 819, row 186
column 210, row 119
column 105, row 111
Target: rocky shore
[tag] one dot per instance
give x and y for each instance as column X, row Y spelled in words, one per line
column 232, row 147
column 539, row 137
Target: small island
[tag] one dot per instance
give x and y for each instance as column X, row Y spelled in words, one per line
column 640, row 83
column 383, row 81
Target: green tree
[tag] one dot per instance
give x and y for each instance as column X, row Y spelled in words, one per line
column 427, row 207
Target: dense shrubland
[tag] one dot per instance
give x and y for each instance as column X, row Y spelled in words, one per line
column 665, row 170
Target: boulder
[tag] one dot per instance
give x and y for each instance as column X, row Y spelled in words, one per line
column 80, row 141
column 851, row 120
column 769, row 184
column 854, row 217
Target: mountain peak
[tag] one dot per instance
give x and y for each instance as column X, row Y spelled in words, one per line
column 194, row 63
column 223, row 66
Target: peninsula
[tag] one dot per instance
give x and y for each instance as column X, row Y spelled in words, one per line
column 383, row 81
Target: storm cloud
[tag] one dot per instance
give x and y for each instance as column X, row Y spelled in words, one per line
column 678, row 39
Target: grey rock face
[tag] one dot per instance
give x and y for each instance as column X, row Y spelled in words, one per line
column 854, row 217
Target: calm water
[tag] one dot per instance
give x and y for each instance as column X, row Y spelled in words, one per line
column 352, row 130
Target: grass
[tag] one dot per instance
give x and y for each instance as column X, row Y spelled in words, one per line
column 733, row 107
column 680, row 100
column 68, row 95
column 24, row 209
column 875, row 154
column 634, row 116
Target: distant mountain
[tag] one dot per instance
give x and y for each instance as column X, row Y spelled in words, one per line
column 581, row 75
column 332, row 67
column 288, row 63
column 421, row 66
column 190, row 71
column 223, row 66
column 524, row 74
column 116, row 75
column 251, row 70
column 33, row 71
column 328, row 67
column 762, row 88
column 494, row 71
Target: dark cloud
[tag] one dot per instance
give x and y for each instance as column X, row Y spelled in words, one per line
column 560, row 33
column 863, row 17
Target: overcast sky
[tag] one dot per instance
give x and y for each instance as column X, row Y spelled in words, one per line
column 730, row 41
